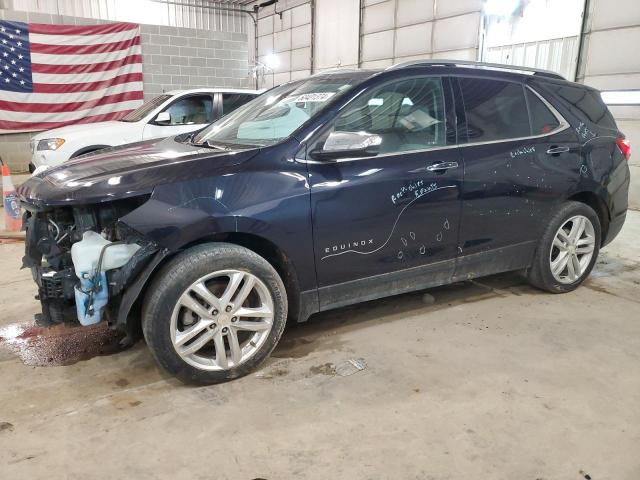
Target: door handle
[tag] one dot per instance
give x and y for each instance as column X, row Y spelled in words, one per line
column 555, row 150
column 436, row 167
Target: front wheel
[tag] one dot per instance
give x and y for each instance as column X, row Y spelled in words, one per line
column 214, row 313
column 568, row 249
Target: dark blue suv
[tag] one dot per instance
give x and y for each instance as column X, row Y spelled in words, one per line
column 343, row 187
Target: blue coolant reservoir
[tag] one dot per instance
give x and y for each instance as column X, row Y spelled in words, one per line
column 93, row 293
column 91, row 298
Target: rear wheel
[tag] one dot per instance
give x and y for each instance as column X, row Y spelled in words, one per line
column 567, row 250
column 214, row 313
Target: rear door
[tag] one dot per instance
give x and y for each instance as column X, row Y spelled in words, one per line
column 389, row 223
column 516, row 153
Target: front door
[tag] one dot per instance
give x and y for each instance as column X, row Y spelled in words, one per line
column 186, row 114
column 388, row 223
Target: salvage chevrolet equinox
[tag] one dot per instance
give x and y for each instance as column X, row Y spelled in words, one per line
column 343, row 187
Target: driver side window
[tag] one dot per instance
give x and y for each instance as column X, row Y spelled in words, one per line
column 406, row 115
column 193, row 110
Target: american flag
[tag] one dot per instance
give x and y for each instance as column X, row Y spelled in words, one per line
column 56, row 75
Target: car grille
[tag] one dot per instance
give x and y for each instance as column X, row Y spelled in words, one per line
column 52, row 287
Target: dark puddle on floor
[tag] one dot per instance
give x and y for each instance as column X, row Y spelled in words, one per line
column 60, row 344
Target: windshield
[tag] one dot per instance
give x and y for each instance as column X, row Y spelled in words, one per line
column 276, row 114
column 144, row 109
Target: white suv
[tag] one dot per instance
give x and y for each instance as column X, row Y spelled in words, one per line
column 172, row 113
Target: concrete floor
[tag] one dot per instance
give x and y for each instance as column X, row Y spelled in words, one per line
column 493, row 380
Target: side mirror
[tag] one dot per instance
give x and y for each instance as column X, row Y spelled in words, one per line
column 163, row 118
column 348, row 145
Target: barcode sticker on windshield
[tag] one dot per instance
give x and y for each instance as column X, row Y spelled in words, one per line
column 315, row 97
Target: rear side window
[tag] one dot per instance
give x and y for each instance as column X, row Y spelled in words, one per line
column 495, row 110
column 587, row 103
column 542, row 120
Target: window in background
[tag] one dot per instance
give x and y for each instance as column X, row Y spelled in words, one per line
column 231, row 101
column 193, row 110
column 144, row 109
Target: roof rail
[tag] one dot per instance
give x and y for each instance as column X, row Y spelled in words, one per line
column 467, row 63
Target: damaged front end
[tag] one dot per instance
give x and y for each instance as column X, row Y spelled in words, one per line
column 84, row 243
column 84, row 260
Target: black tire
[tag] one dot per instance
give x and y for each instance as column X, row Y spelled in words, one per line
column 176, row 277
column 540, row 275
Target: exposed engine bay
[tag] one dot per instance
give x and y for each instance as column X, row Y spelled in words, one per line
column 111, row 254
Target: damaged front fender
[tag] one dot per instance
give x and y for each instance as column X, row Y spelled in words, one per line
column 50, row 235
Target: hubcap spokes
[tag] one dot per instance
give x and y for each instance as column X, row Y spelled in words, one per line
column 572, row 249
column 221, row 320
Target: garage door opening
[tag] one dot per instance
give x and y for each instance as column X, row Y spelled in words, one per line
column 533, row 33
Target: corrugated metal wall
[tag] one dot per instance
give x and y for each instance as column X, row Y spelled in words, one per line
column 558, row 55
column 142, row 11
column 287, row 36
column 306, row 36
column 394, row 31
column 610, row 61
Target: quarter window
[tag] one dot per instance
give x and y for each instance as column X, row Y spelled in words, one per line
column 193, row 110
column 495, row 110
column 407, row 115
column 542, row 120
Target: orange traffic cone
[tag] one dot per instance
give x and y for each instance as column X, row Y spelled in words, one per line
column 12, row 219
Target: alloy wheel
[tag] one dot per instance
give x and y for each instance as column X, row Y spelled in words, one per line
column 221, row 320
column 572, row 249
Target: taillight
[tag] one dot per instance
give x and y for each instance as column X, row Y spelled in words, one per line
column 625, row 147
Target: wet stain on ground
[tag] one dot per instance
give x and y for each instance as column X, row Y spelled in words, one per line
column 324, row 369
column 274, row 368
column 60, row 344
column 595, row 287
column 273, row 373
column 4, row 426
column 292, row 347
column 122, row 382
column 23, row 459
column 279, row 372
column 592, row 285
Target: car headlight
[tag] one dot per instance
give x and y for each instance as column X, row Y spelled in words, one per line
column 50, row 143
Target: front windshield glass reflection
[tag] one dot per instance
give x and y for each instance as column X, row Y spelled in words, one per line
column 274, row 115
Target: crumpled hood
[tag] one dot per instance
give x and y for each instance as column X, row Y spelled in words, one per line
column 126, row 171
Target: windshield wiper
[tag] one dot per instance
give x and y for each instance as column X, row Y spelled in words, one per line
column 204, row 144
column 228, row 145
column 218, row 145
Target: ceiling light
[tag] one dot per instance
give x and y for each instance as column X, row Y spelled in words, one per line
column 272, row 61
